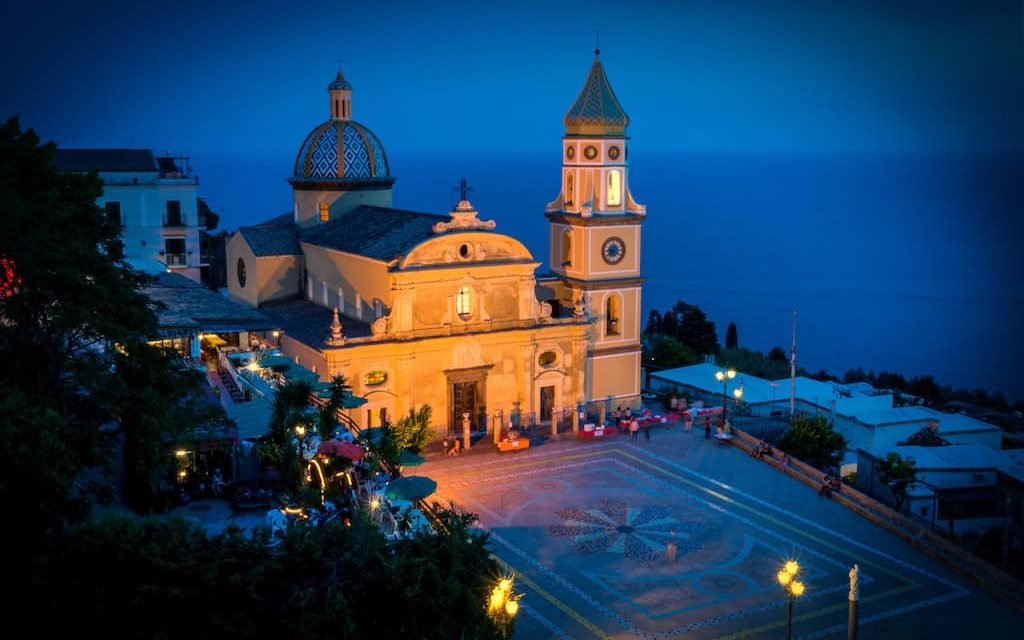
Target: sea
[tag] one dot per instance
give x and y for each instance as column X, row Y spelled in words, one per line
column 901, row 262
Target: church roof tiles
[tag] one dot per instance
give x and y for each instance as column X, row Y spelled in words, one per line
column 276, row 237
column 380, row 233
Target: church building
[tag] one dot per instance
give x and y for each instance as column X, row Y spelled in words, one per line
column 419, row 308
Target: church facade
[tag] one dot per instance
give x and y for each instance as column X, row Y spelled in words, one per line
column 417, row 308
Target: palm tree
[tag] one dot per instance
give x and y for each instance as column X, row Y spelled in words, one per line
column 328, row 421
column 289, row 410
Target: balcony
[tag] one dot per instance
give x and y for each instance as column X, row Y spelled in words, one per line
column 175, row 259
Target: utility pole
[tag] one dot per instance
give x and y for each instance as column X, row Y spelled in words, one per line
column 792, row 371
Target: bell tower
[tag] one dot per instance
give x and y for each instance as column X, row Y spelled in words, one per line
column 595, row 238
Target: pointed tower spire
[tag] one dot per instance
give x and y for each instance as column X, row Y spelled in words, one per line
column 340, row 92
column 337, row 338
column 597, row 111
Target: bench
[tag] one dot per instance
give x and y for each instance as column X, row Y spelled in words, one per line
column 505, row 446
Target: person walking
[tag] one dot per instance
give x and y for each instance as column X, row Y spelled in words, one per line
column 634, row 428
column 647, row 431
column 707, row 427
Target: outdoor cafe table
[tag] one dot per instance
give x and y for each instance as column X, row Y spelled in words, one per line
column 652, row 421
column 596, row 432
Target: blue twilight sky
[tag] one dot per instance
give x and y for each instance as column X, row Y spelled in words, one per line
column 729, row 75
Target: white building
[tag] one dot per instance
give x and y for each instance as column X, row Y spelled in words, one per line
column 867, row 421
column 155, row 200
column 968, row 484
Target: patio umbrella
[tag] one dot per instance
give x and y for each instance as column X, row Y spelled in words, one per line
column 410, row 459
column 372, row 434
column 348, row 401
column 348, row 450
column 411, row 488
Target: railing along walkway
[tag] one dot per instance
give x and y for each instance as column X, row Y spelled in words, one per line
column 985, row 575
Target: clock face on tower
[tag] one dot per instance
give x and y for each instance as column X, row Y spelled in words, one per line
column 240, row 271
column 613, row 250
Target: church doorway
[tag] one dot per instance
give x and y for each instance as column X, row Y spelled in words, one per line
column 467, row 394
column 547, row 403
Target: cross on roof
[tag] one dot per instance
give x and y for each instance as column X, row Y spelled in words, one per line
column 464, row 189
column 597, row 41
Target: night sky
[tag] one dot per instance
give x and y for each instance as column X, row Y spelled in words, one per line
column 861, row 159
column 195, row 76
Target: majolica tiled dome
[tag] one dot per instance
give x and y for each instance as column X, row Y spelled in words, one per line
column 597, row 111
column 341, row 149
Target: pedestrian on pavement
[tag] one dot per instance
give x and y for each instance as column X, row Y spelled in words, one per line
column 826, row 487
column 707, row 427
column 634, row 428
column 647, row 431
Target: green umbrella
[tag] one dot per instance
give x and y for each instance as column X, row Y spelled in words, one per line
column 348, row 401
column 410, row 459
column 411, row 488
column 372, row 434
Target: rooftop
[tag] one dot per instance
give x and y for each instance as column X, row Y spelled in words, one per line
column 191, row 306
column 380, row 233
column 278, row 236
column 309, row 323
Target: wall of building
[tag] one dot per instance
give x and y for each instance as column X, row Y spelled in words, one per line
column 266, row 278
column 417, row 370
column 307, row 203
column 362, row 282
column 143, row 200
column 616, row 376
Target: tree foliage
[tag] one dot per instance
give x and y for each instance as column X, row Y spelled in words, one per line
column 754, row 363
column 664, row 352
column 328, row 581
column 686, row 323
column 413, row 431
column 897, row 473
column 813, row 439
column 732, row 340
column 328, row 418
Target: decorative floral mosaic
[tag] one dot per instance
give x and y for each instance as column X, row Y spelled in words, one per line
column 640, row 534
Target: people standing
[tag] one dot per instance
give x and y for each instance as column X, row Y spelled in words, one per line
column 647, row 430
column 634, row 428
column 707, row 427
column 687, row 421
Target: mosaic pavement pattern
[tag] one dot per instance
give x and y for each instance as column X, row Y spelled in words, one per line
column 588, row 531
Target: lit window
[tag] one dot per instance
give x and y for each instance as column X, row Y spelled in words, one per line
column 614, row 188
column 612, row 316
column 462, row 303
column 325, row 212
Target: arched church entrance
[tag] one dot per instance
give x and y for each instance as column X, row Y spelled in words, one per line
column 467, row 399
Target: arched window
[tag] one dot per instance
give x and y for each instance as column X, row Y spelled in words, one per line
column 613, row 315
column 569, row 188
column 325, row 212
column 566, row 248
column 614, row 189
column 463, row 302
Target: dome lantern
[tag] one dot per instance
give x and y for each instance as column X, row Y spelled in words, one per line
column 340, row 92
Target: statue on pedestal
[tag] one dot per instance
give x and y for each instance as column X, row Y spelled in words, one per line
column 854, row 588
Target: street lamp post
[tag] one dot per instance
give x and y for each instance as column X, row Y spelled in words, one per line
column 794, row 589
column 724, row 376
column 300, row 430
column 503, row 605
